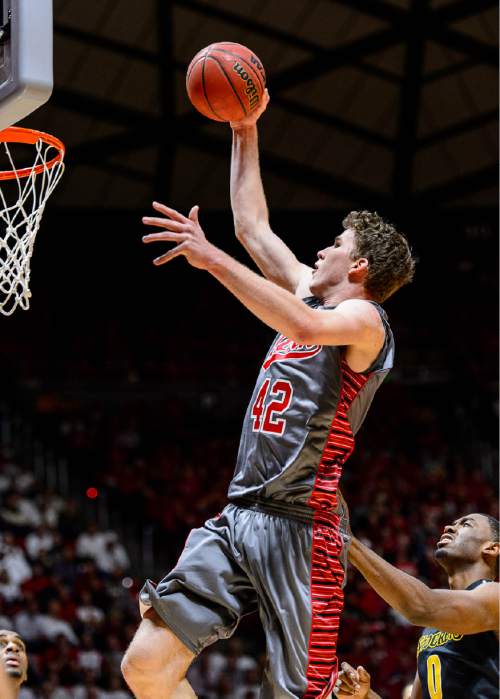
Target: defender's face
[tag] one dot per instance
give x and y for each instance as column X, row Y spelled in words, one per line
column 333, row 263
column 13, row 655
column 464, row 539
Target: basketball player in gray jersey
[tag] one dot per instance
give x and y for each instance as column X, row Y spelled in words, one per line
column 277, row 547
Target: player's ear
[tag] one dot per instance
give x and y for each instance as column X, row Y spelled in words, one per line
column 358, row 270
column 491, row 551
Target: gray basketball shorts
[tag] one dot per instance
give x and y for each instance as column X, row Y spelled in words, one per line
column 290, row 571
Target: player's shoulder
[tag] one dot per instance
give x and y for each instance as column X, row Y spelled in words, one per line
column 488, row 588
column 369, row 311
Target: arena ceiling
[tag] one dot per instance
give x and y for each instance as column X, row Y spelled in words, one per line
column 372, row 102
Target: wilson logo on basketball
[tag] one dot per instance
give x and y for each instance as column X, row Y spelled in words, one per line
column 288, row 349
column 251, row 89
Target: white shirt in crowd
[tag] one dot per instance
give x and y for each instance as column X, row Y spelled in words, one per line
column 50, row 628
column 39, row 542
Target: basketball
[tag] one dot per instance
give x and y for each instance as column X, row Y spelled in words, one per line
column 225, row 81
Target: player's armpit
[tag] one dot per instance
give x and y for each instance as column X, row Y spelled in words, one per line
column 462, row 611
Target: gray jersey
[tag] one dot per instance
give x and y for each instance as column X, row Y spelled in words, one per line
column 299, row 427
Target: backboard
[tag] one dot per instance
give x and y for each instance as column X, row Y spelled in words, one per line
column 26, row 75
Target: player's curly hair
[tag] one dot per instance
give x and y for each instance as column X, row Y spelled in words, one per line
column 390, row 261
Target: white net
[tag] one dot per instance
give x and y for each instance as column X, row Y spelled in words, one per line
column 22, row 203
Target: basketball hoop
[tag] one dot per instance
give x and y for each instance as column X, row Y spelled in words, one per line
column 21, row 208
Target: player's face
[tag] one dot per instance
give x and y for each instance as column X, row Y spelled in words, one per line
column 333, row 263
column 464, row 540
column 13, row 655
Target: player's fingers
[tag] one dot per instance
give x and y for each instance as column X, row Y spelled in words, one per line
column 158, row 237
column 164, row 223
column 351, row 675
column 266, row 98
column 171, row 213
column 193, row 214
column 175, row 252
column 363, row 675
column 343, row 680
column 342, row 689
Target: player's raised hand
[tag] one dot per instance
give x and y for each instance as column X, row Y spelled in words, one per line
column 254, row 116
column 185, row 231
column 351, row 683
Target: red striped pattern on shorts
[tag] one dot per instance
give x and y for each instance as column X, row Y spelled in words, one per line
column 327, row 574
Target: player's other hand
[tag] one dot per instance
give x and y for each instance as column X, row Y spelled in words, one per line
column 185, row 231
column 351, row 683
column 254, row 116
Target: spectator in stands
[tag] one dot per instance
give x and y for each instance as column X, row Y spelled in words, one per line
column 19, row 513
column 27, row 621
column 112, row 554
column 52, row 625
column 40, row 542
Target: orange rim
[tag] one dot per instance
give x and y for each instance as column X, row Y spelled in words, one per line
column 18, row 134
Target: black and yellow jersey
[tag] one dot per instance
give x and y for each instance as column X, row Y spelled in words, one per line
column 456, row 666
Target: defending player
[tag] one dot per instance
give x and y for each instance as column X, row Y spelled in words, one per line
column 277, row 546
column 13, row 664
column 457, row 654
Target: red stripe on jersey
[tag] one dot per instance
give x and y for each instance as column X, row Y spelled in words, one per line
column 327, row 574
column 339, row 443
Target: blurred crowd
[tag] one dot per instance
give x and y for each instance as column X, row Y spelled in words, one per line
column 69, row 587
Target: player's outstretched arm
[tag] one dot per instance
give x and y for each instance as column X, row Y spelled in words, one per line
column 354, row 323
column 454, row 611
column 251, row 217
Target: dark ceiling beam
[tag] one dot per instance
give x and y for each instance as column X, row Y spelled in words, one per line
column 101, row 42
column 193, row 138
column 294, row 171
column 451, row 69
column 101, row 109
column 377, row 72
column 461, row 186
column 409, row 103
column 320, row 117
column 251, row 25
column 463, row 43
column 378, row 9
column 437, row 28
column 458, row 129
column 354, row 51
column 115, row 144
column 133, row 52
column 463, row 9
column 389, row 13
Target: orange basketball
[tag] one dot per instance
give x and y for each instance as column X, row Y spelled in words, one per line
column 225, row 81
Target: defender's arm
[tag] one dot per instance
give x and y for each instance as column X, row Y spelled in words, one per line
column 455, row 611
column 416, row 691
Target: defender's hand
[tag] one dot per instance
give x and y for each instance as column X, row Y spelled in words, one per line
column 186, row 232
column 253, row 117
column 351, row 683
